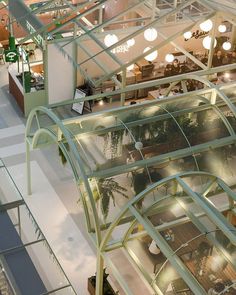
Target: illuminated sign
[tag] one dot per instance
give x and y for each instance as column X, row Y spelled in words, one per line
column 11, row 55
column 197, row 35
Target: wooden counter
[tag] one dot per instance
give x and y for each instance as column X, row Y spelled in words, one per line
column 25, row 101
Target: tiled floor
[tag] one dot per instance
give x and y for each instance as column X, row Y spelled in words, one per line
column 61, row 190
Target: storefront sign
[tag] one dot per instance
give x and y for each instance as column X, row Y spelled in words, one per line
column 11, row 55
column 38, row 38
column 197, row 35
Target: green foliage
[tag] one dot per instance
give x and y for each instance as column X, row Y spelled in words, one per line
column 116, row 138
column 60, row 152
column 62, row 156
column 106, row 189
column 107, row 289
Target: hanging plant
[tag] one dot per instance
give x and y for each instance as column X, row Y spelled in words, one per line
column 60, row 152
column 116, row 142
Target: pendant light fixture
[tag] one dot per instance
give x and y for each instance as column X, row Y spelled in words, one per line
column 110, row 39
column 150, row 34
column 206, row 26
column 150, row 56
column 207, row 42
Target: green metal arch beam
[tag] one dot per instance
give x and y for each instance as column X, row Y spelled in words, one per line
column 147, row 191
column 43, row 131
column 169, row 253
column 72, row 146
column 210, row 210
column 194, row 285
column 212, row 87
column 209, row 236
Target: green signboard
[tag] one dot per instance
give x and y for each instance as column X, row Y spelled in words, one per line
column 11, row 55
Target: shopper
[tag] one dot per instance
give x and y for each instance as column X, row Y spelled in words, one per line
column 233, row 57
column 175, row 68
column 217, row 59
column 168, row 70
column 225, row 59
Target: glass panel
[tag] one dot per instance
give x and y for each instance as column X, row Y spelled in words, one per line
column 8, row 192
column 129, row 273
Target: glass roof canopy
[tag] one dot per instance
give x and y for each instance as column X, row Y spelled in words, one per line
column 105, row 61
column 123, row 162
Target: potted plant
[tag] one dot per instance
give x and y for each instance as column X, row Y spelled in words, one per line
column 107, row 289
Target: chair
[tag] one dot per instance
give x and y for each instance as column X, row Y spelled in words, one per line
column 2, row 55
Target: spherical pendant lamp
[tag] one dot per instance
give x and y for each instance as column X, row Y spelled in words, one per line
column 110, row 40
column 222, row 28
column 169, row 57
column 150, row 34
column 206, row 26
column 207, row 42
column 150, row 56
column 187, row 35
column 226, row 45
column 131, row 42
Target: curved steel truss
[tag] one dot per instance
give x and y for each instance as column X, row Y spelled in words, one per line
column 185, row 199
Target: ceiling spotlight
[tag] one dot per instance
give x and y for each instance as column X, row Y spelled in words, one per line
column 227, row 75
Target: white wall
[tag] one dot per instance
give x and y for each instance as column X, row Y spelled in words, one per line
column 60, row 74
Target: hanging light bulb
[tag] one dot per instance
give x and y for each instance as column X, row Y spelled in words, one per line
column 138, row 145
column 222, row 28
column 110, row 39
column 226, row 45
column 131, row 42
column 150, row 34
column 169, row 57
column 130, row 68
column 150, row 56
column 206, row 26
column 206, row 42
column 187, row 35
